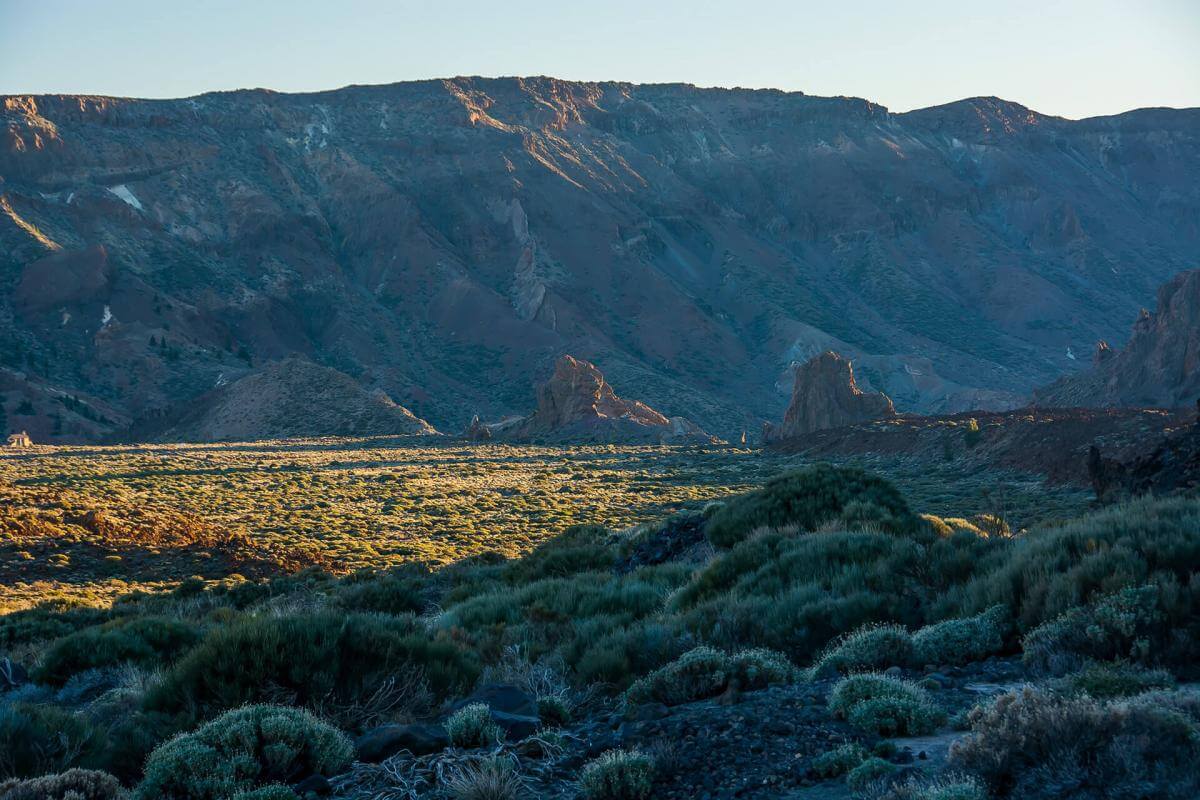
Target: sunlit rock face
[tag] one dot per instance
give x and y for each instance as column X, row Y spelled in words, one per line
column 444, row 241
column 576, row 404
column 1160, row 365
column 825, row 395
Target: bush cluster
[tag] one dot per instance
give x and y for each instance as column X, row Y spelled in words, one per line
column 871, row 647
column 245, row 750
column 838, row 761
column 706, row 672
column 885, row 706
column 309, row 659
column 1117, row 680
column 74, row 784
column 1029, row 743
column 617, row 775
column 145, row 641
column 961, row 641
column 473, row 726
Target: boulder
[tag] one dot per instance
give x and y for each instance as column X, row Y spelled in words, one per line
column 825, row 395
column 385, row 741
column 502, row 698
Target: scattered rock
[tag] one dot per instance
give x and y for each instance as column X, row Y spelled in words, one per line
column 419, row 739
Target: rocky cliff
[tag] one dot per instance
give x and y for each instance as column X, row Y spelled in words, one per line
column 1160, row 366
column 825, row 395
column 577, row 405
column 443, row 241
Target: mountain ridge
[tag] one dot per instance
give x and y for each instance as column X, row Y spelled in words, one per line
column 444, row 241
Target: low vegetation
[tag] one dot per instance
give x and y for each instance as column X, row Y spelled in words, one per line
column 825, row 593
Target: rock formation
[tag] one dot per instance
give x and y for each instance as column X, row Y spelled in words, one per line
column 445, row 237
column 292, row 398
column 825, row 395
column 1171, row 466
column 577, row 405
column 1159, row 367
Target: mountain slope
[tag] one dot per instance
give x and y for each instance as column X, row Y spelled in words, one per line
column 444, row 241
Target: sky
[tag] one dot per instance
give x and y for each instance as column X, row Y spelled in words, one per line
column 1073, row 58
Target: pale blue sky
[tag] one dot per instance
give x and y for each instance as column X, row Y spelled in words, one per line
column 1072, row 57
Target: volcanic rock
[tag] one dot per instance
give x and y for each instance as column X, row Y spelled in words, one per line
column 825, row 395
column 577, row 405
column 1160, row 366
column 1172, row 466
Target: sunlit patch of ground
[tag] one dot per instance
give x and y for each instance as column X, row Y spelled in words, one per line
column 88, row 523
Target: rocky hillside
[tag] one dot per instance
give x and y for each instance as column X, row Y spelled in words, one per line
column 1159, row 367
column 292, row 397
column 576, row 404
column 444, row 241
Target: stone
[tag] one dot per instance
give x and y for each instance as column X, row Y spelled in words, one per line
column 313, row 785
column 826, row 395
column 516, row 726
column 385, row 741
column 502, row 697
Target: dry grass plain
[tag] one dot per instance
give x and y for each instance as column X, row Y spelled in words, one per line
column 85, row 524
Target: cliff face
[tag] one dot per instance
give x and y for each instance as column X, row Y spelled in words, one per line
column 1160, row 366
column 825, row 395
column 577, row 404
column 444, row 241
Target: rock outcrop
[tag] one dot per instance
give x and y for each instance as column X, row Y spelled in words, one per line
column 292, row 398
column 1170, row 467
column 578, row 405
column 1159, row 367
column 825, row 395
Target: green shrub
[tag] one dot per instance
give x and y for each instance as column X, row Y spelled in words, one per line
column 947, row 787
column 617, row 775
column 244, row 750
column 1119, row 626
column 145, row 641
column 837, row 762
column 961, row 641
column 882, row 705
column 275, row 791
column 1118, row 680
column 852, row 690
column 705, row 672
column 1028, row 744
column 873, row 646
column 472, row 726
column 868, row 774
column 553, row 710
column 895, row 716
column 491, row 778
column 807, row 499
column 580, row 548
column 309, row 659
column 74, row 784
column 40, row 739
column 387, row 593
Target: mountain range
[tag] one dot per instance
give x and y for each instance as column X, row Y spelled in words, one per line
column 441, row 243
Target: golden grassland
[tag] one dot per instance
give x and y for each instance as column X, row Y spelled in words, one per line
column 88, row 523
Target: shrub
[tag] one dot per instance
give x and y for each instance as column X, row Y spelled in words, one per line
column 961, row 641
column 472, row 726
column 388, row 594
column 580, row 548
column 1028, row 744
column 923, row 787
column 895, row 716
column 705, row 672
column 275, row 791
column 869, row 774
column 241, row 751
column 146, row 641
column 553, row 710
column 40, row 739
column 617, row 775
column 886, row 706
column 809, row 498
column 74, row 784
column 1118, row 680
column 837, row 762
column 852, row 690
column 491, row 778
column 1118, row 626
column 309, row 660
column 872, row 646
